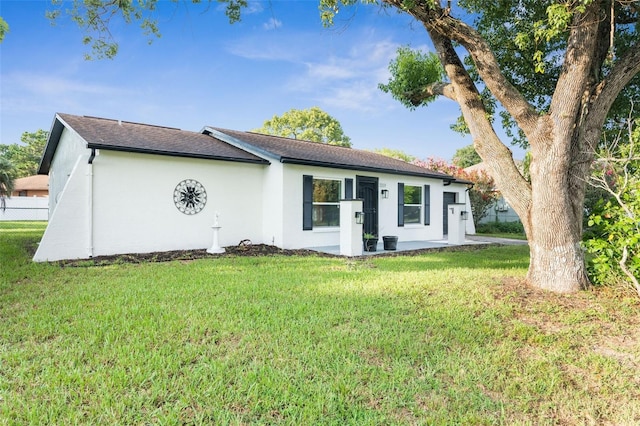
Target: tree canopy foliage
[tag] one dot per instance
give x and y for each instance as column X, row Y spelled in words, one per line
column 26, row 157
column 311, row 124
column 4, row 29
column 615, row 221
column 466, row 157
column 7, row 176
column 395, row 153
column 412, row 71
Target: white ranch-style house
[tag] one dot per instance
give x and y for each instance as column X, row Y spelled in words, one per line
column 119, row 187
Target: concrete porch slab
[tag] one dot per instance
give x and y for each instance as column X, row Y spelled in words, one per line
column 419, row 245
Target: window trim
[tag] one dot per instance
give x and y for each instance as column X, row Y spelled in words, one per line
column 308, row 203
column 419, row 205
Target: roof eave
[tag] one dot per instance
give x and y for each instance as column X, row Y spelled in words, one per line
column 176, row 154
column 55, row 133
column 363, row 168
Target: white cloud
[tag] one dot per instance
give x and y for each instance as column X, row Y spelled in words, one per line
column 349, row 78
column 272, row 24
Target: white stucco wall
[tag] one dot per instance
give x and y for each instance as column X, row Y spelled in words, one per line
column 67, row 236
column 70, row 147
column 134, row 212
column 125, row 205
column 273, row 224
column 295, row 237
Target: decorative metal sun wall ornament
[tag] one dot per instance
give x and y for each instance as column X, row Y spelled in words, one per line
column 190, row 196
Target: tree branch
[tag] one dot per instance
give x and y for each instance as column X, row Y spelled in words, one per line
column 497, row 156
column 627, row 271
column 625, row 69
column 436, row 89
column 486, row 63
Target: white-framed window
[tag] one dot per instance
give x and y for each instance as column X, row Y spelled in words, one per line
column 412, row 204
column 326, row 202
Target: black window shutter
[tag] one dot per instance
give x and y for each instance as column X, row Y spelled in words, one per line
column 427, row 205
column 307, row 202
column 400, row 204
column 348, row 189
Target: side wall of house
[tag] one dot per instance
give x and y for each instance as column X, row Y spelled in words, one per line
column 70, row 147
column 67, row 235
column 134, row 209
column 296, row 237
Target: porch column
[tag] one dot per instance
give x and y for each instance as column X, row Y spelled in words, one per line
column 457, row 223
column 350, row 230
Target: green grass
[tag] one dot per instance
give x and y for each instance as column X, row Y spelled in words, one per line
column 440, row 338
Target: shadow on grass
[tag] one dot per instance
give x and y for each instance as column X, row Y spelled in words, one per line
column 481, row 257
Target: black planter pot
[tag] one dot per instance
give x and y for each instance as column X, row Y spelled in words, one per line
column 390, row 242
column 370, row 244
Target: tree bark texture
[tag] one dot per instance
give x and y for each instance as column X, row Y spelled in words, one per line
column 562, row 140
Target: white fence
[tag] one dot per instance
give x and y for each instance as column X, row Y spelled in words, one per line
column 25, row 208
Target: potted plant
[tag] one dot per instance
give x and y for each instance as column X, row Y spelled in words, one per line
column 370, row 241
column 390, row 242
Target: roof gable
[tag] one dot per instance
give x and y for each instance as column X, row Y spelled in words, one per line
column 295, row 151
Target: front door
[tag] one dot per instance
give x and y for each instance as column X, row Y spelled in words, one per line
column 367, row 190
column 448, row 198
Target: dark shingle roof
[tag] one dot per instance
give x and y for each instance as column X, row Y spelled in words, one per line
column 101, row 133
column 221, row 144
column 295, row 151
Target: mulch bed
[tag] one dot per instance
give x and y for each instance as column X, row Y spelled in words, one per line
column 243, row 249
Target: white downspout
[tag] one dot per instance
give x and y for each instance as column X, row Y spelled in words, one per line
column 90, row 203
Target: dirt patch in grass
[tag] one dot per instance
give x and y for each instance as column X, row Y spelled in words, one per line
column 599, row 331
column 605, row 320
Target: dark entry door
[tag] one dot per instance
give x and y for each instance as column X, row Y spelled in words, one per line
column 367, row 190
column 448, row 198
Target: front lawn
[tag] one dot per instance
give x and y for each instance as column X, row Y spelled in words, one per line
column 439, row 338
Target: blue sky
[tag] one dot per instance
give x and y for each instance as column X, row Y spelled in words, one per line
column 205, row 72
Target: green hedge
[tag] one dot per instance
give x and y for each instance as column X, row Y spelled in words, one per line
column 500, row 228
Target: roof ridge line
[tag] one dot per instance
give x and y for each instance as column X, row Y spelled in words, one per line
column 296, row 139
column 134, row 122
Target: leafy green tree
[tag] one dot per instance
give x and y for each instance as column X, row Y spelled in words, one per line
column 7, row 175
column 26, row 157
column 395, row 153
column 615, row 222
column 413, row 71
column 466, row 157
column 4, row 28
column 311, row 124
column 562, row 72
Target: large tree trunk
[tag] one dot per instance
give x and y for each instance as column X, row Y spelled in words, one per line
column 554, row 227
